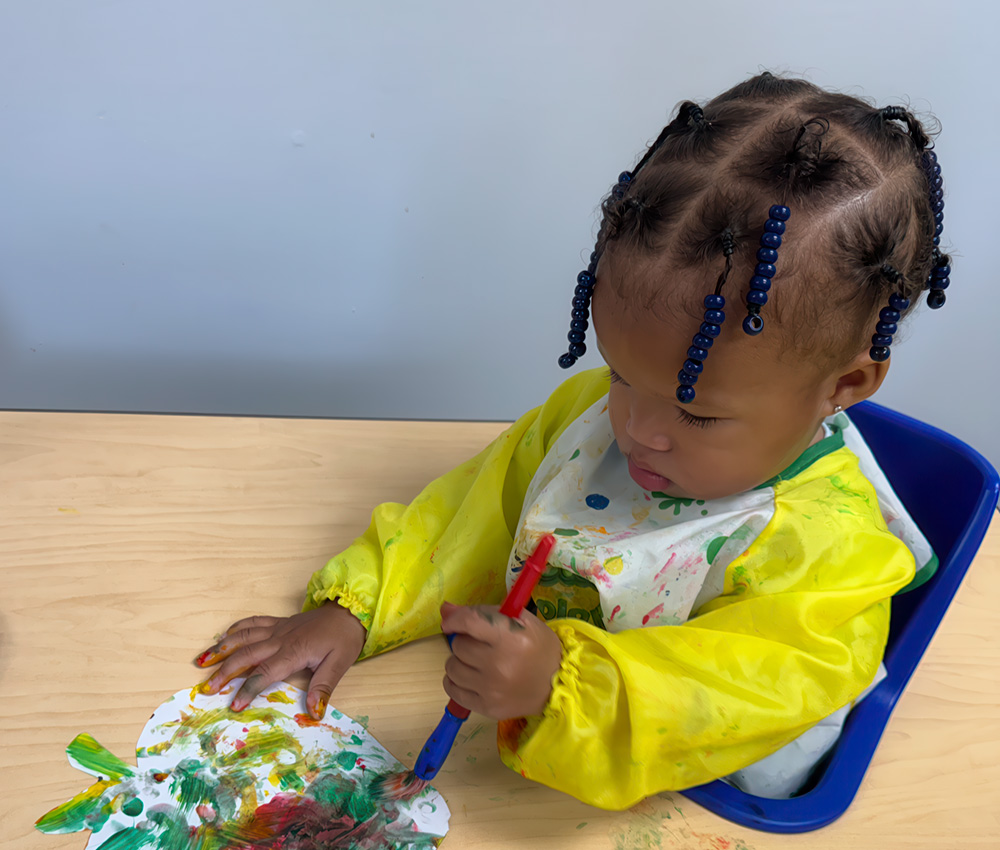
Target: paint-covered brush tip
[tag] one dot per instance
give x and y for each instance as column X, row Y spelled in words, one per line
column 396, row 787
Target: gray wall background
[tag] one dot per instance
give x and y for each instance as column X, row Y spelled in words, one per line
column 378, row 209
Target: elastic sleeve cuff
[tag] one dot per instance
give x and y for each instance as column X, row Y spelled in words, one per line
column 566, row 682
column 345, row 598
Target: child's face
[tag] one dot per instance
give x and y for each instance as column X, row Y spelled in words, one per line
column 753, row 415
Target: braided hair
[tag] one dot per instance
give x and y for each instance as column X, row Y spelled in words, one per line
column 863, row 184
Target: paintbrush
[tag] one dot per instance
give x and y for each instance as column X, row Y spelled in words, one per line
column 403, row 786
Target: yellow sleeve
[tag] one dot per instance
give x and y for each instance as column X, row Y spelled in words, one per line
column 453, row 541
column 798, row 632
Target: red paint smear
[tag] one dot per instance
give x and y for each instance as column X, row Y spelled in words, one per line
column 206, row 813
column 509, row 732
column 200, row 660
column 617, row 609
column 240, row 745
column 657, row 610
column 160, row 777
column 305, row 720
column 290, row 820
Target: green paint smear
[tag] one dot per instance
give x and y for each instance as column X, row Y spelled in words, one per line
column 85, row 811
column 133, row 807
column 174, row 833
column 713, row 548
column 346, row 759
column 567, row 532
column 192, row 785
column 94, row 758
column 129, row 839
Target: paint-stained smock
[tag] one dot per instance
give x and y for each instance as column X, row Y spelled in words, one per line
column 785, row 623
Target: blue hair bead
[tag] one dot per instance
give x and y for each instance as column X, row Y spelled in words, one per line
column 898, row 302
column 935, row 299
column 693, row 367
column 703, row 341
column 580, row 313
column 592, row 267
column 941, row 271
column 575, row 336
column 577, row 349
column 566, row 361
column 687, row 378
column 710, row 329
column 625, row 177
column 685, row 394
column 715, row 302
column 581, row 291
column 767, row 256
column 715, row 317
column 586, row 278
column 579, row 325
column 581, row 302
column 881, row 339
column 887, row 314
column 888, row 328
column 695, row 353
column 879, row 353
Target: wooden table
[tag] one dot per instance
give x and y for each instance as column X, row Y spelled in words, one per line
column 128, row 541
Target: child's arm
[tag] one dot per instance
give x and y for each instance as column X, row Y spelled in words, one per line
column 451, row 543
column 797, row 633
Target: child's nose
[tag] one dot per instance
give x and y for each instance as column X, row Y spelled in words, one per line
column 645, row 426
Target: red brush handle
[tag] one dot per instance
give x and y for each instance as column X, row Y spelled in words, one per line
column 519, row 595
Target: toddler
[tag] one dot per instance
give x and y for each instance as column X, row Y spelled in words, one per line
column 727, row 546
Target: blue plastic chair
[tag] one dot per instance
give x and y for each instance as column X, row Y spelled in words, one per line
column 955, row 521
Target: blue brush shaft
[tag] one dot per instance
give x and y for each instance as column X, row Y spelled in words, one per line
column 438, row 746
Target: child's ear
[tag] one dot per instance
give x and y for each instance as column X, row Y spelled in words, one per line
column 858, row 380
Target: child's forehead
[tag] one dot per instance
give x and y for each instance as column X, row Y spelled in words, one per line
column 653, row 344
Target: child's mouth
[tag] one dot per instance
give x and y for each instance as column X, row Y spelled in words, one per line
column 646, row 479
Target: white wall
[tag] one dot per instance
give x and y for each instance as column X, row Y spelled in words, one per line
column 378, row 209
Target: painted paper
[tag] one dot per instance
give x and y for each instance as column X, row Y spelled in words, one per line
column 208, row 778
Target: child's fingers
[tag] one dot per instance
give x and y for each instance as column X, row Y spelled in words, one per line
column 463, row 697
column 477, row 621
column 243, row 659
column 463, row 675
column 230, row 643
column 327, row 676
column 257, row 622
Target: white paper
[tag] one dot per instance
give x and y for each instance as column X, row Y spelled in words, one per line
column 269, row 776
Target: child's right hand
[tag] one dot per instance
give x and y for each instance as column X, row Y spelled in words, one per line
column 326, row 640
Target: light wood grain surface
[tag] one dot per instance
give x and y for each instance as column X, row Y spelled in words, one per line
column 127, row 542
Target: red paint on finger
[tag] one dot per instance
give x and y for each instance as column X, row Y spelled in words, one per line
column 202, row 659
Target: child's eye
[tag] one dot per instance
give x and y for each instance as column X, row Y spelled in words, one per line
column 615, row 377
column 695, row 421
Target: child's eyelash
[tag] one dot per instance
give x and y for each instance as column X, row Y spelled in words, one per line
column 615, row 377
column 683, row 415
column 695, row 421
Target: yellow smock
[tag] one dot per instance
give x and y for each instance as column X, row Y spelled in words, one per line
column 797, row 632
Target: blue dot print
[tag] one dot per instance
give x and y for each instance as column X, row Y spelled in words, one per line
column 597, row 501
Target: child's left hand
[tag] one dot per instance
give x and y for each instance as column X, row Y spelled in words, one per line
column 500, row 667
